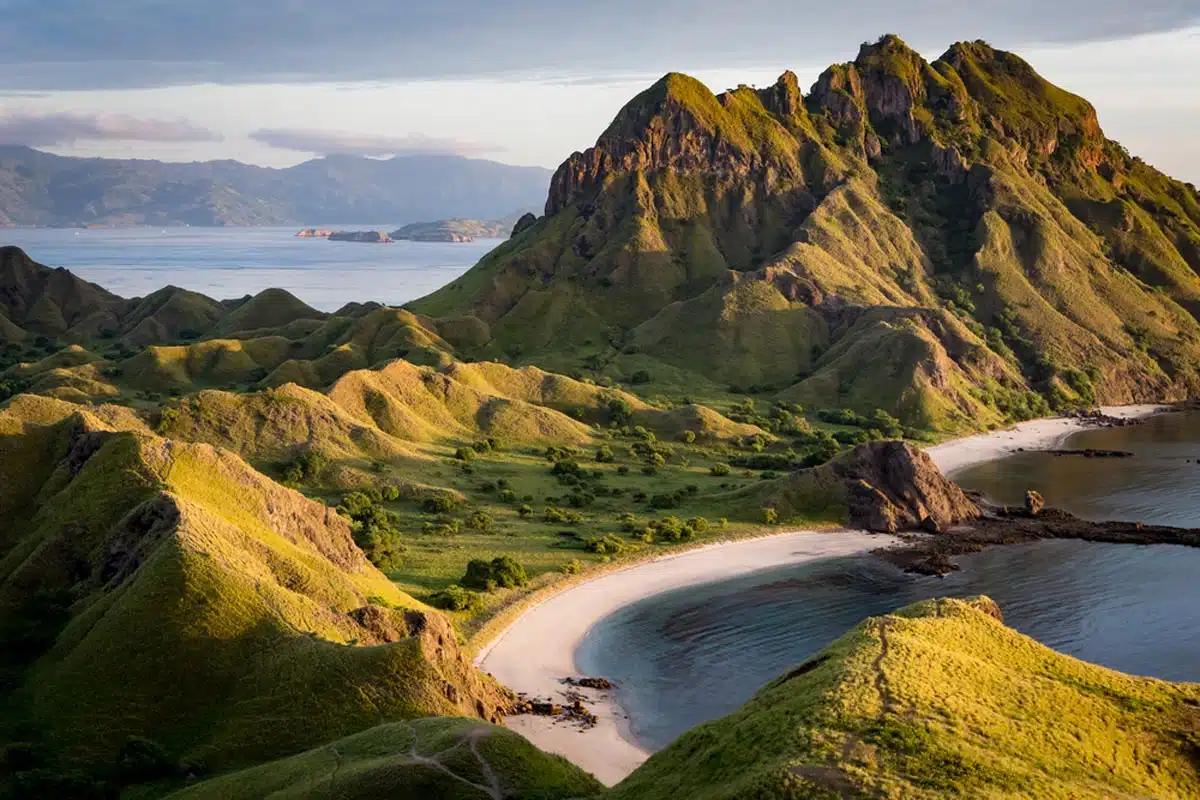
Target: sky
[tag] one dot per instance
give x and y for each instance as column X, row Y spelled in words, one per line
column 275, row 82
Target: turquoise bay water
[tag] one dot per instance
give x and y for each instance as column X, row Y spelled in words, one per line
column 698, row 653
column 225, row 263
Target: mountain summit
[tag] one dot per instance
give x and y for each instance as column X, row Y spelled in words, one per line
column 956, row 242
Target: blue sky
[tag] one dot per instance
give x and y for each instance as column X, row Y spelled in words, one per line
column 527, row 81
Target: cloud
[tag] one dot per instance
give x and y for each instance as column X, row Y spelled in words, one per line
column 322, row 142
column 62, row 128
column 84, row 44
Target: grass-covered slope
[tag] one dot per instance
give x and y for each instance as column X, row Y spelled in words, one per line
column 735, row 239
column 159, row 589
column 939, row 700
column 434, row 759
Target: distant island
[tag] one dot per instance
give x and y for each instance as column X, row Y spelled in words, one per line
column 39, row 189
column 455, row 229
column 368, row 237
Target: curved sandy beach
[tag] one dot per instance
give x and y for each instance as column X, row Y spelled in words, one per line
column 1038, row 434
column 537, row 651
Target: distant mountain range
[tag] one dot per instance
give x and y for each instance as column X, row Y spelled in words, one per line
column 41, row 189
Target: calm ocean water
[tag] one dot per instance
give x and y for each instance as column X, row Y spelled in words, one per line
column 699, row 653
column 231, row 262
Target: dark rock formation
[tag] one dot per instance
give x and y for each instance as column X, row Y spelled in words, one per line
column 893, row 486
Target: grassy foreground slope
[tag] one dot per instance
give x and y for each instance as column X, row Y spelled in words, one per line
column 420, row 760
column 155, row 589
column 936, row 700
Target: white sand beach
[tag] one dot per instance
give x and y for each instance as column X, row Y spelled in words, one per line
column 537, row 651
column 1038, row 434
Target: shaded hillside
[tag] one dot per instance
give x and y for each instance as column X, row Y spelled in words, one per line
column 938, row 700
column 39, row 189
column 956, row 242
column 164, row 590
column 411, row 761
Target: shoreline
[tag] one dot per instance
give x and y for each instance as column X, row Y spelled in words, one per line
column 537, row 650
column 956, row 455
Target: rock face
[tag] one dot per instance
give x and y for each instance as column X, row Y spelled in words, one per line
column 893, row 486
column 369, row 237
column 524, row 223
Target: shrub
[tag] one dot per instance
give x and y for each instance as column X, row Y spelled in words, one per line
column 525, row 511
column 604, row 455
column 688, row 437
column 607, row 545
column 770, row 516
column 640, row 377
column 649, row 469
column 664, row 501
column 481, row 521
column 391, row 494
column 572, row 567
column 439, row 504
column 465, row 454
column 720, row 470
column 306, row 468
column 620, row 410
column 698, row 525
column 508, row 496
column 456, row 598
column 622, row 470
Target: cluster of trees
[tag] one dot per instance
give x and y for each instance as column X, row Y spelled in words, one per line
column 504, row 572
column 375, row 529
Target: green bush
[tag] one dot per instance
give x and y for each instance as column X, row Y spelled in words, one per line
column 391, row 494
column 456, row 598
column 481, row 521
column 720, row 470
column 689, row 437
column 770, row 516
column 608, row 545
column 525, row 511
column 604, row 455
column 439, row 504
column 465, row 454
column 504, row 572
column 572, row 567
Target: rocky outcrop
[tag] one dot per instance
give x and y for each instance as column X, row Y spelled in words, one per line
column 1034, row 503
column 524, row 223
column 314, row 233
column 894, row 486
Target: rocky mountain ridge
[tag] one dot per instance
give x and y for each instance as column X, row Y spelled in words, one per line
column 966, row 217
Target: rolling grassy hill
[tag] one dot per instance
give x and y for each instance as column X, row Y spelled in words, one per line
column 158, row 590
column 939, row 700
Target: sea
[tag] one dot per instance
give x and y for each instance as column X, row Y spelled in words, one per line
column 227, row 263
column 699, row 653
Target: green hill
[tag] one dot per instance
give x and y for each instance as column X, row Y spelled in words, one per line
column 435, row 758
column 157, row 590
column 939, row 700
column 949, row 241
